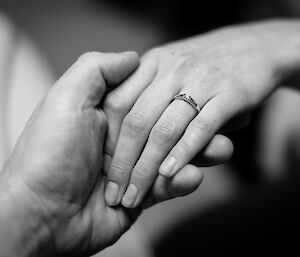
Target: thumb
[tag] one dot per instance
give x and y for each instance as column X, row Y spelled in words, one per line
column 85, row 83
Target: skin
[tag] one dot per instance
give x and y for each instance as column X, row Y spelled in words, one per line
column 52, row 188
column 227, row 72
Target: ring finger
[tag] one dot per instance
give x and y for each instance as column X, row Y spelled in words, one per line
column 164, row 135
column 200, row 131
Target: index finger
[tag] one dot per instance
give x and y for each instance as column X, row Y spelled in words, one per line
column 119, row 101
column 85, row 82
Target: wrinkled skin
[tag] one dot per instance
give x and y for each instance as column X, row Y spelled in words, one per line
column 55, row 173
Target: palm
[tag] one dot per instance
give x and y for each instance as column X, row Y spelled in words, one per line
column 81, row 197
column 99, row 224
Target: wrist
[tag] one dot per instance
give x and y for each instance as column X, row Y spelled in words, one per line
column 280, row 39
column 23, row 230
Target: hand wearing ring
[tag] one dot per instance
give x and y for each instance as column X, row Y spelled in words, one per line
column 151, row 134
column 131, row 103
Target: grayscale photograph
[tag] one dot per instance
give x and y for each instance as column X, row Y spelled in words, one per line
column 138, row 128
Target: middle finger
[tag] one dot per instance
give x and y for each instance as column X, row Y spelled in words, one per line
column 134, row 133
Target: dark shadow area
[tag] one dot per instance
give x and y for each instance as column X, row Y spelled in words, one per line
column 262, row 221
column 183, row 18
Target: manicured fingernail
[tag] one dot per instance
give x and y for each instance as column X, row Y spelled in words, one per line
column 130, row 196
column 111, row 193
column 167, row 167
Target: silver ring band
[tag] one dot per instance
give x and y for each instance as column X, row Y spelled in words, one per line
column 187, row 98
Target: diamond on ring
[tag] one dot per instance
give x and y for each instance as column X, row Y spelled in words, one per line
column 187, row 98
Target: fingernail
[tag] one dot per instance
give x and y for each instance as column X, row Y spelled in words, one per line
column 111, row 193
column 167, row 167
column 130, row 196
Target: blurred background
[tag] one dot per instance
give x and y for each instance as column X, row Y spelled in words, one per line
column 66, row 28
column 248, row 207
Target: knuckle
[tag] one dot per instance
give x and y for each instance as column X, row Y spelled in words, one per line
column 135, row 122
column 119, row 169
column 113, row 102
column 165, row 131
column 152, row 53
column 142, row 173
column 203, row 126
column 185, row 148
column 184, row 59
column 184, row 62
